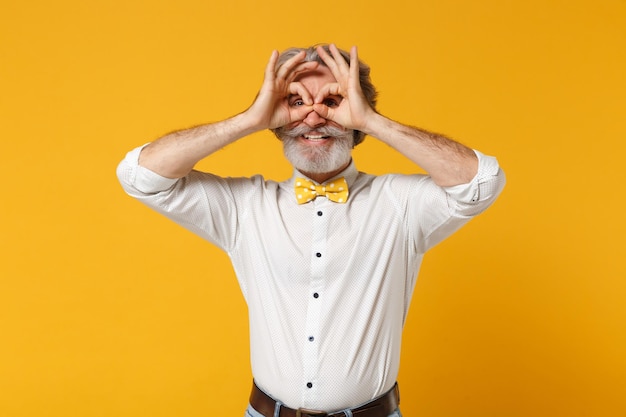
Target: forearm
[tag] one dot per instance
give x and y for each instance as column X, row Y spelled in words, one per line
column 446, row 161
column 175, row 154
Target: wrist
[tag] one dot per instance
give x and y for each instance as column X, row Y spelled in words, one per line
column 373, row 124
column 249, row 122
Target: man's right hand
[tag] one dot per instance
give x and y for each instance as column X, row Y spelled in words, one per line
column 272, row 107
column 174, row 155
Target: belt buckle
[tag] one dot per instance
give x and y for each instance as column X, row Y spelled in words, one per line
column 300, row 412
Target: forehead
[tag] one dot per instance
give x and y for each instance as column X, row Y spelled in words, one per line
column 317, row 77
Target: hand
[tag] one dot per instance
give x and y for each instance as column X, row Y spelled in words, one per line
column 271, row 108
column 354, row 110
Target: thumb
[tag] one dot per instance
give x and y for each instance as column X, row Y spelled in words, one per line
column 323, row 110
column 300, row 113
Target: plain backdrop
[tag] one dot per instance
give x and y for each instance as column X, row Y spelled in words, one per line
column 109, row 310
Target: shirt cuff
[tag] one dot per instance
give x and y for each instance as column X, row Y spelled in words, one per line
column 469, row 193
column 143, row 179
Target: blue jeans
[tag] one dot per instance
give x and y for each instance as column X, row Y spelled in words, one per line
column 251, row 412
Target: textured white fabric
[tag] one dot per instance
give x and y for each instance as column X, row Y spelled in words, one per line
column 327, row 285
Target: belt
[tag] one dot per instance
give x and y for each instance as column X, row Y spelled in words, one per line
column 382, row 406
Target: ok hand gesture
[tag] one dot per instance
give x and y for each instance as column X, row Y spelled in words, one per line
column 270, row 108
column 354, row 111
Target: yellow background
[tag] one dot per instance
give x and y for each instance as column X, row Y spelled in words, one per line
column 109, row 310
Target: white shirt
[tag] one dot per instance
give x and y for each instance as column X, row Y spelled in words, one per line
column 327, row 285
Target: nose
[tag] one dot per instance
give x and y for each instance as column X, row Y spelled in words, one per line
column 314, row 120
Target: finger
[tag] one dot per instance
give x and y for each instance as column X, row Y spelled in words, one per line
column 328, row 60
column 339, row 59
column 324, row 111
column 270, row 69
column 300, row 90
column 299, row 113
column 330, row 89
column 354, row 67
column 301, row 68
column 286, row 68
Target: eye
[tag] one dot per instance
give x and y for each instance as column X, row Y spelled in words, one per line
column 296, row 102
column 331, row 102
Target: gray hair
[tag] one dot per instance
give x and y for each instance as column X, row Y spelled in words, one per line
column 369, row 91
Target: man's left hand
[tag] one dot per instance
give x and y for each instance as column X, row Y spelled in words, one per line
column 354, row 111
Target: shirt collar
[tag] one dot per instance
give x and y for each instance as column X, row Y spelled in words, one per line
column 350, row 174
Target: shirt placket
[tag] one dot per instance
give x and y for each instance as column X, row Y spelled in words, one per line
column 319, row 261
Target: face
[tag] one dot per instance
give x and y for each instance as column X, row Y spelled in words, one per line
column 315, row 145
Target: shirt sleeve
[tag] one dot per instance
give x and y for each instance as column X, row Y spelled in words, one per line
column 478, row 194
column 137, row 180
column 437, row 212
column 194, row 201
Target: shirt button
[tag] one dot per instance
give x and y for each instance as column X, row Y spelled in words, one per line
column 319, row 213
column 311, row 338
column 309, row 385
column 319, row 255
column 315, row 295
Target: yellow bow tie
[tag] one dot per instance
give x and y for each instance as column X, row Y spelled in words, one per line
column 336, row 190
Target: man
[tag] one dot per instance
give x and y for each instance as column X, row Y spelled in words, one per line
column 327, row 260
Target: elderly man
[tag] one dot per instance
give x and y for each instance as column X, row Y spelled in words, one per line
column 326, row 260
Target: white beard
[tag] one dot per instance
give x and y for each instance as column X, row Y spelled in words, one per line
column 317, row 159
